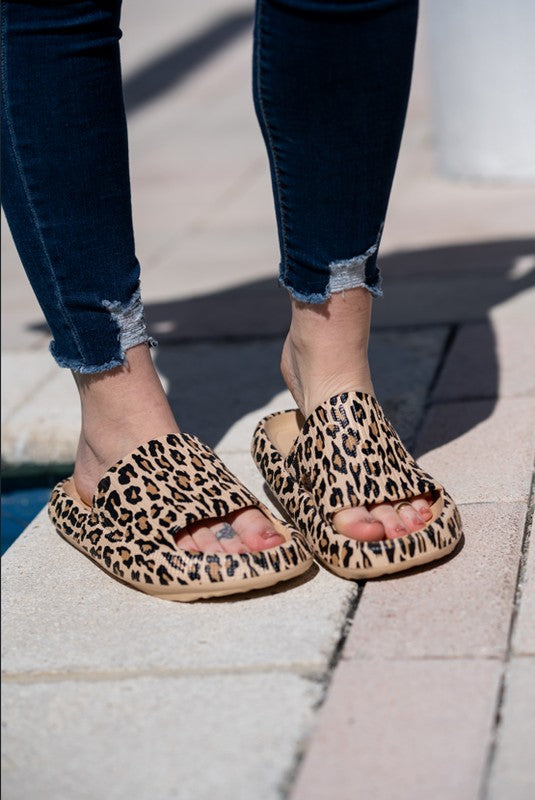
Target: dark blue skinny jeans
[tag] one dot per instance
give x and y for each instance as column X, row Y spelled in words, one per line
column 331, row 82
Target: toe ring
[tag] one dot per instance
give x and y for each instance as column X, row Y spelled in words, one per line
column 400, row 505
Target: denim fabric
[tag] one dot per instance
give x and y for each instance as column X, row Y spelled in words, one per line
column 331, row 82
column 66, row 188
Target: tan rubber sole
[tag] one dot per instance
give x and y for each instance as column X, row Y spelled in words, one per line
column 367, row 573
column 219, row 590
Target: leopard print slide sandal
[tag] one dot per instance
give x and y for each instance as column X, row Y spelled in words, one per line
column 167, row 484
column 347, row 454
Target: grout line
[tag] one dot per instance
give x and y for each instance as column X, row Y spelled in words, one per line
column 521, row 574
column 441, row 361
column 306, row 670
column 448, row 344
column 313, row 671
column 290, row 777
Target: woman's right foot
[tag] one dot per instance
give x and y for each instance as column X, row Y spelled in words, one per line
column 126, row 406
column 325, row 354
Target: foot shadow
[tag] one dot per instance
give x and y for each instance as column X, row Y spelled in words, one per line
column 231, row 365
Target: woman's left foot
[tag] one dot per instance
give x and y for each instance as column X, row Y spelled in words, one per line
column 315, row 367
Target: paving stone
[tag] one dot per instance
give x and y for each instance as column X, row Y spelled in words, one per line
column 23, row 374
column 440, row 300
column 481, row 451
column 45, row 429
column 402, row 730
column 226, row 736
column 524, row 633
column 20, row 310
column 63, row 614
column 175, row 26
column 494, row 358
column 459, row 608
column 186, row 272
column 513, row 771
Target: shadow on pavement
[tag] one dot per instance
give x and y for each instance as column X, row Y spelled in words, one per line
column 211, row 387
column 173, row 66
column 449, row 286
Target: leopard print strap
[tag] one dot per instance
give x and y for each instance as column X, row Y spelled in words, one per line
column 169, row 483
column 348, row 454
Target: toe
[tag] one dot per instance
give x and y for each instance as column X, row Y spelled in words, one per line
column 409, row 517
column 359, row 523
column 228, row 537
column 206, row 541
column 422, row 507
column 186, row 542
column 392, row 523
column 255, row 530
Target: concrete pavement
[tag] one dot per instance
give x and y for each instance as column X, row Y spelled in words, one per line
column 402, row 689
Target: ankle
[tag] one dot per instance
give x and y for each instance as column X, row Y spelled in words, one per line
column 121, row 409
column 312, row 379
column 326, row 350
column 125, row 398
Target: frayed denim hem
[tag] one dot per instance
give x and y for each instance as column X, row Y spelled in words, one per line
column 130, row 320
column 316, row 298
column 131, row 331
column 348, row 273
column 85, row 369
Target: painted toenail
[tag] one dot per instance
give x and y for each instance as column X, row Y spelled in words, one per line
column 269, row 534
column 401, row 529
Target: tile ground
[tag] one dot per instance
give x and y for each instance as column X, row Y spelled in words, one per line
column 459, row 609
column 512, row 773
column 524, row 633
column 171, row 738
column 373, row 733
column 70, row 619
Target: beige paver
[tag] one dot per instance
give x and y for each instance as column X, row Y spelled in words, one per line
column 63, row 615
column 512, row 776
column 439, row 299
column 169, row 738
column 402, row 730
column 45, row 429
column 23, row 375
column 459, row 608
column 495, row 358
column 481, row 451
column 524, row 632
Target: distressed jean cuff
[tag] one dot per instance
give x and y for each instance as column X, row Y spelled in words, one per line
column 349, row 273
column 129, row 320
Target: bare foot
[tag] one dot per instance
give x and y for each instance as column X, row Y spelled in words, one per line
column 326, row 353
column 126, row 406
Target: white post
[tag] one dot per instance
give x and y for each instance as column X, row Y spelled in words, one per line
column 482, row 55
